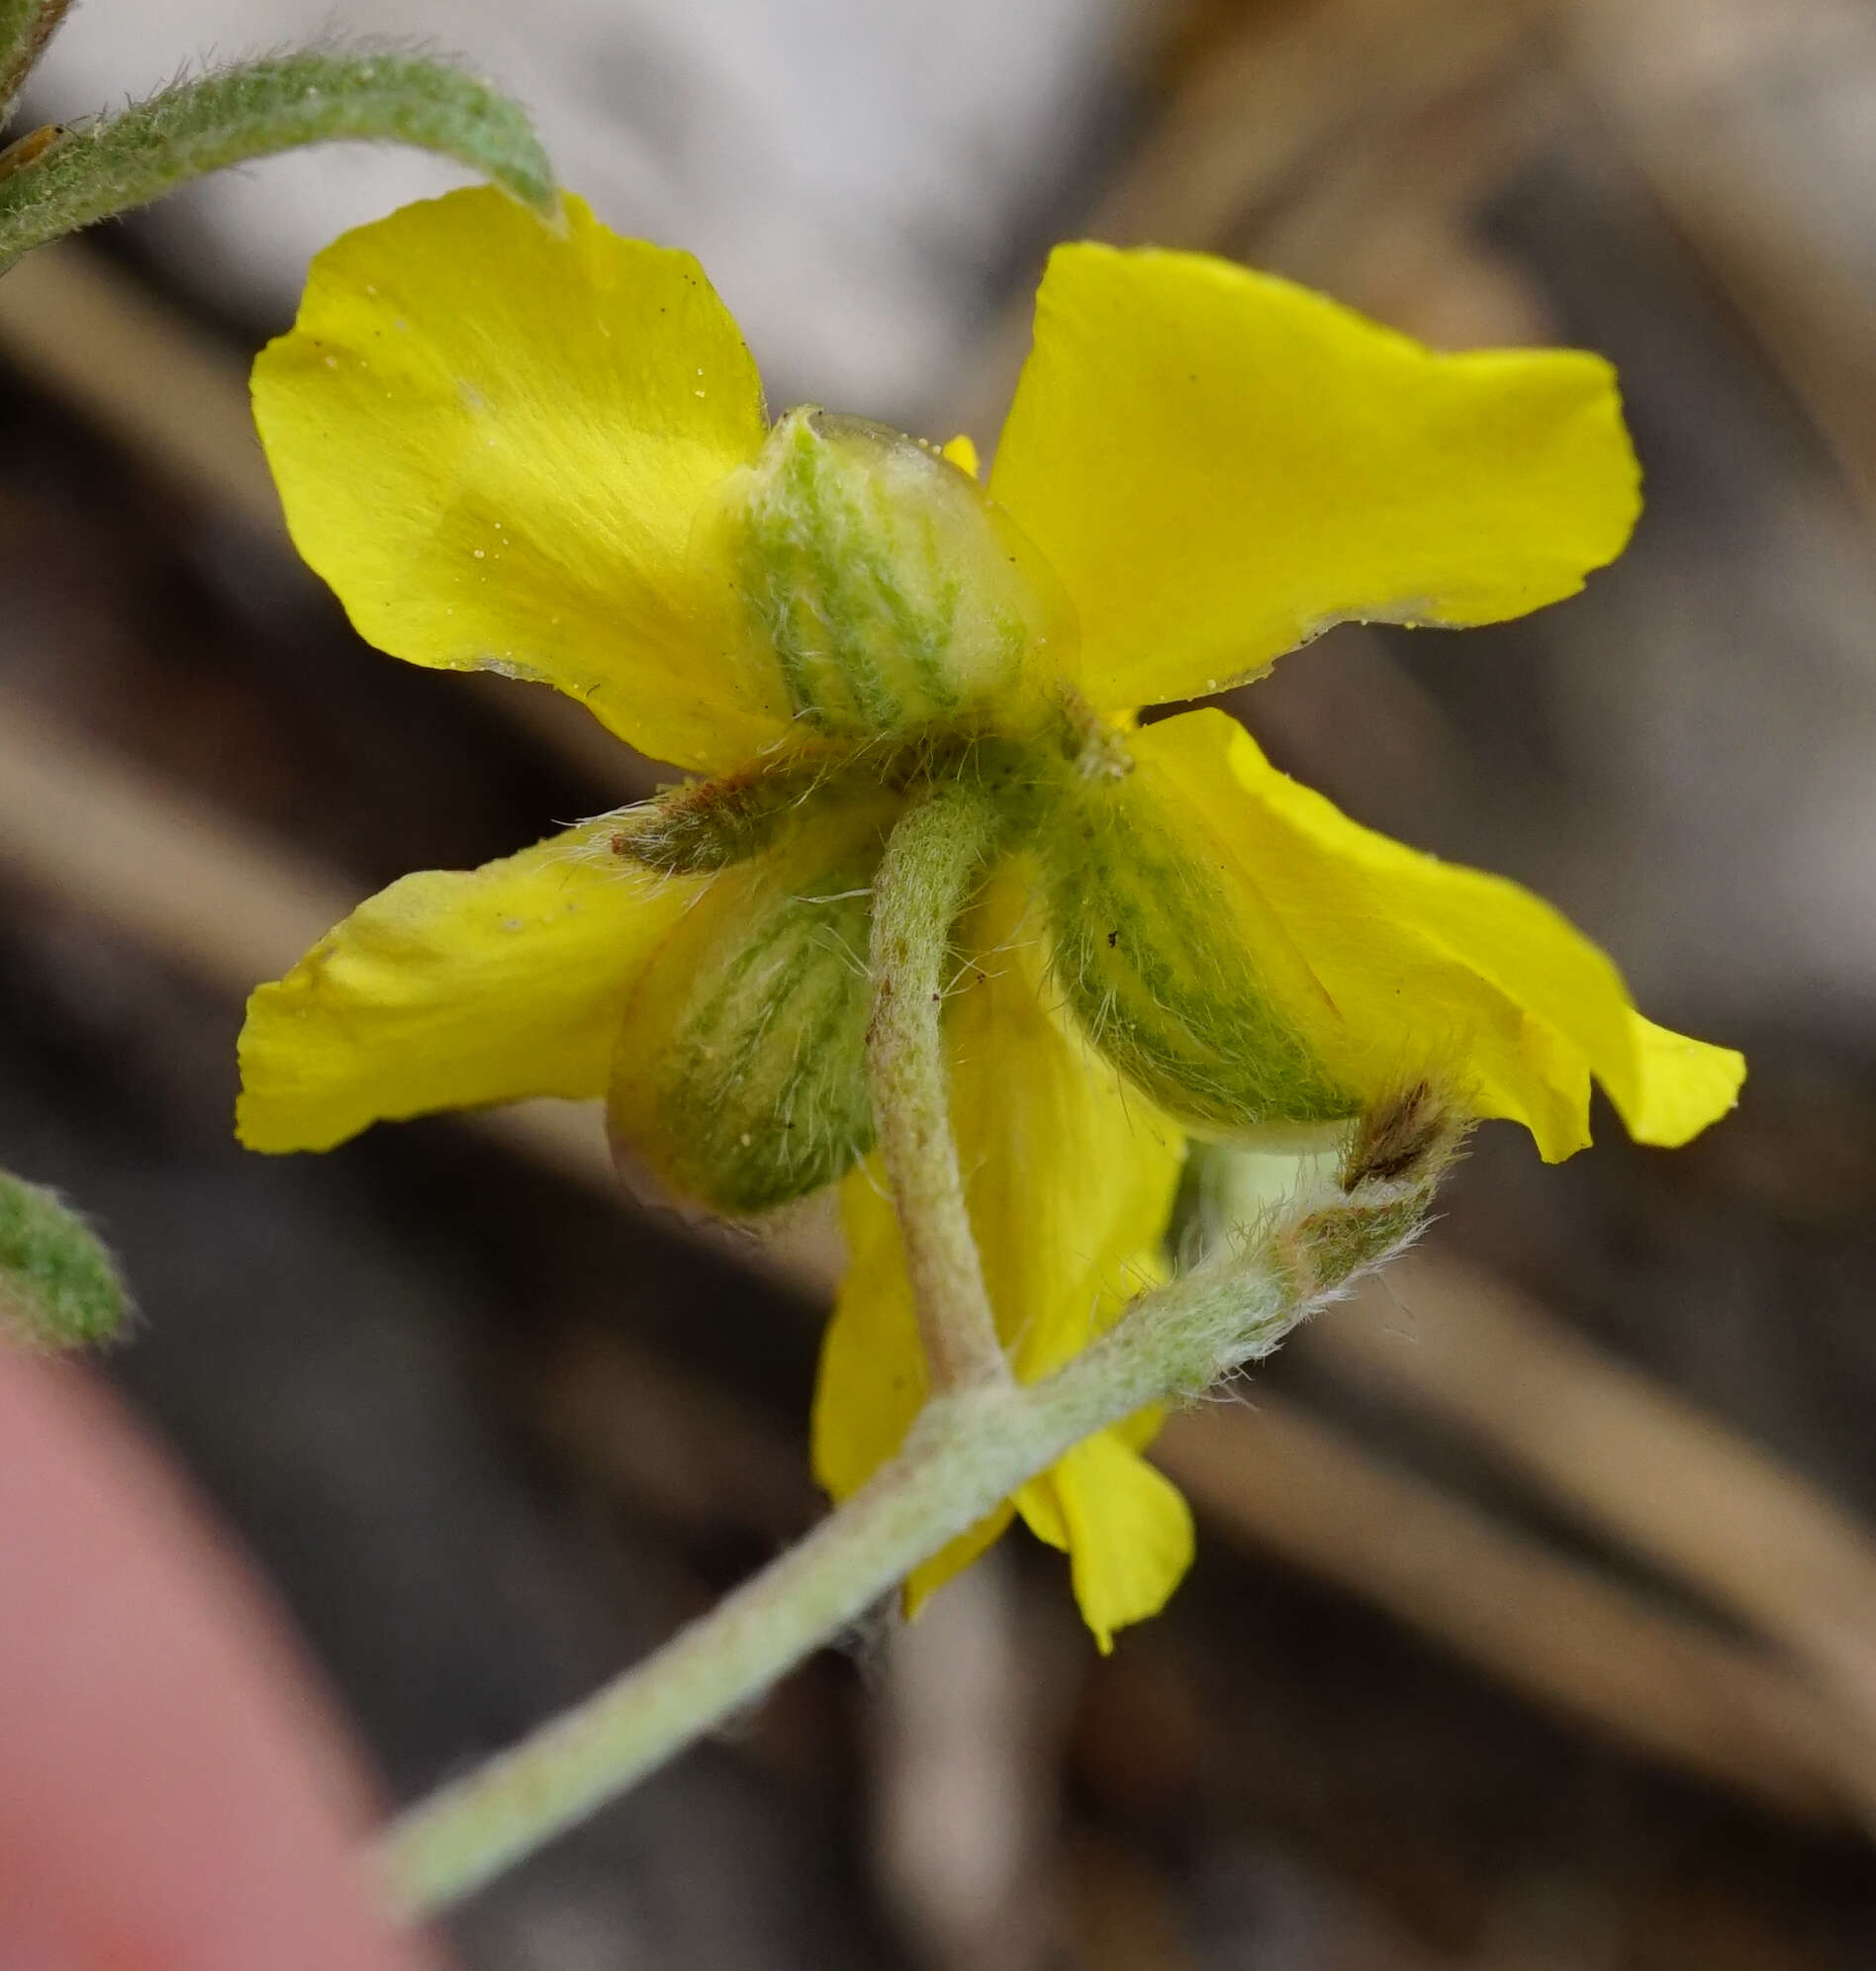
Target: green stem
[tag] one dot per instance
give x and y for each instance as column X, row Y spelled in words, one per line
column 26, row 25
column 969, row 1448
column 259, row 108
column 930, row 861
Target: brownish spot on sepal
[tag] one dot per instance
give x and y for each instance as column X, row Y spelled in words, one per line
column 24, row 150
column 1401, row 1150
column 1414, row 1135
column 1328, row 1248
column 712, row 824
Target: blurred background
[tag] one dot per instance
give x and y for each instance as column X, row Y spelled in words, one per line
column 1534, row 1627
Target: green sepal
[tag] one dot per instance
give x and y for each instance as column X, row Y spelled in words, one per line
column 59, row 1288
column 1148, row 956
column 881, row 584
column 740, row 1076
column 712, row 824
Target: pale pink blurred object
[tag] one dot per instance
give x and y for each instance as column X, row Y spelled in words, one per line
column 173, row 1789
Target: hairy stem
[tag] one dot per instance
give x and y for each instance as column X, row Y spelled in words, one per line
column 930, row 861
column 26, row 25
column 969, row 1448
column 253, row 110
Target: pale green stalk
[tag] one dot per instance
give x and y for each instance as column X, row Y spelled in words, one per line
column 930, row 861
column 980, row 1435
column 970, row 1448
column 255, row 108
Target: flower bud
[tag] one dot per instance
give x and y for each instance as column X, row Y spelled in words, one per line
column 741, row 1073
column 58, row 1286
column 879, row 581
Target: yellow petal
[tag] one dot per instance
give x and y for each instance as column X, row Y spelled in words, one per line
column 872, row 1380
column 1127, row 1530
column 1069, row 1180
column 1067, row 1174
column 453, row 989
column 962, row 452
column 492, row 437
column 1219, row 465
column 1681, row 1086
column 1419, row 965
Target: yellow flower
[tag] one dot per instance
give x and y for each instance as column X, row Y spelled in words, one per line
column 547, row 453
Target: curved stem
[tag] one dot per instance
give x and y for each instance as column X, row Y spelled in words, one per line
column 969, row 1448
column 929, row 862
column 254, row 110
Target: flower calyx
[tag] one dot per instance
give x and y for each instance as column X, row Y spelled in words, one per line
column 739, row 1078
column 871, row 587
column 1164, row 980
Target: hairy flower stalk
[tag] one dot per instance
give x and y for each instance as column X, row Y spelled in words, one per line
column 972, row 1446
column 929, row 862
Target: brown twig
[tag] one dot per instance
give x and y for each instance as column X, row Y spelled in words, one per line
column 1552, row 1628
column 1633, row 1459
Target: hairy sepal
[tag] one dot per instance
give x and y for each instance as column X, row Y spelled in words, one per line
column 1154, row 963
column 712, row 824
column 60, row 1288
column 881, row 583
column 740, row 1075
